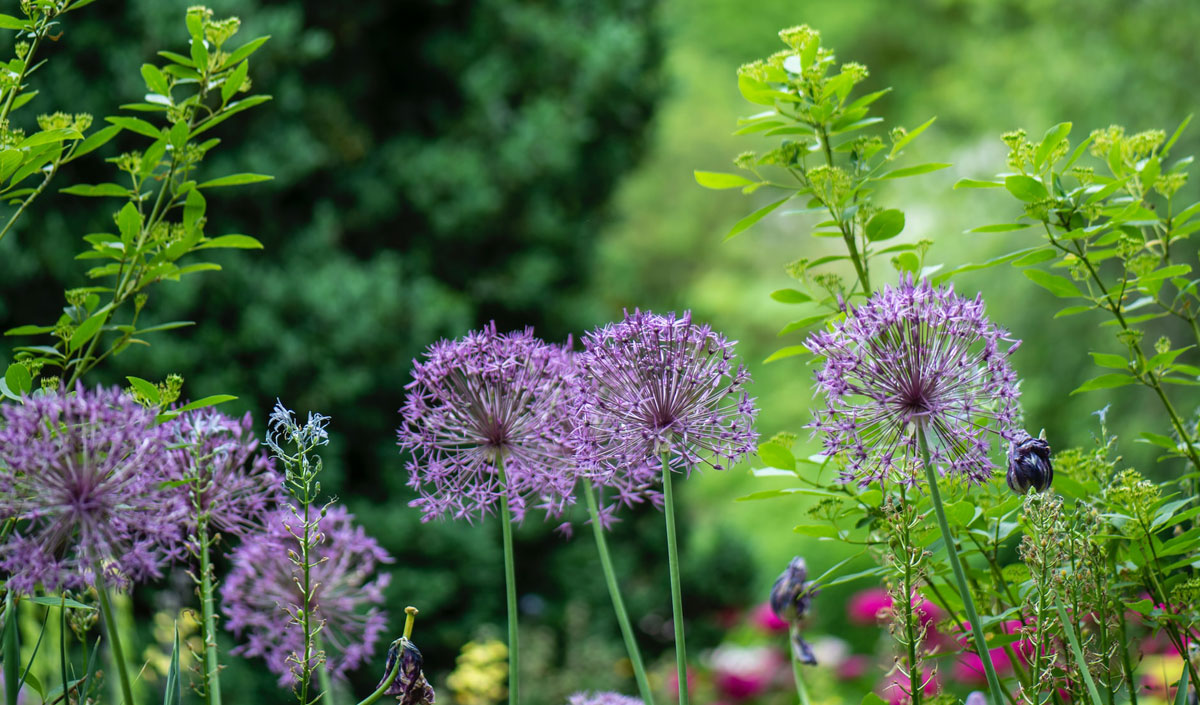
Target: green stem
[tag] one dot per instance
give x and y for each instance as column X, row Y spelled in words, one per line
column 327, row 696
column 614, row 591
column 801, row 690
column 114, row 635
column 676, row 590
column 387, row 682
column 960, row 577
column 510, row 588
column 212, row 669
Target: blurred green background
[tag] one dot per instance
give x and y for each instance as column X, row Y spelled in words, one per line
column 442, row 163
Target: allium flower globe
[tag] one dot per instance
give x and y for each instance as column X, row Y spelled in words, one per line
column 915, row 356
column 260, row 592
column 238, row 485
column 655, row 385
column 481, row 401
column 82, row 475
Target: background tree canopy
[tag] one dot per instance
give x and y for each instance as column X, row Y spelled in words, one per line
column 442, row 163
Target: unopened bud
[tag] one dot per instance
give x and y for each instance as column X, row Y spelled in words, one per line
column 1029, row 464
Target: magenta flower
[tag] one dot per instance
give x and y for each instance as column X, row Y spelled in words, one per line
column 482, row 400
column 869, row 606
column 658, row 385
column 238, row 485
column 915, row 356
column 969, row 667
column 82, row 475
column 260, row 593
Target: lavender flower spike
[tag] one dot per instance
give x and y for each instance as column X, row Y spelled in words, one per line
column 261, row 592
column 481, row 400
column 82, row 475
column 661, row 384
column 915, row 355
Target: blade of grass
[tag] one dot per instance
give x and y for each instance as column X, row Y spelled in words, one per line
column 1080, row 661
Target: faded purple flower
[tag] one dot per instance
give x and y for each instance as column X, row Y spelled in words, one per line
column 82, row 474
column 237, row 483
column 481, row 400
column 1029, row 466
column 658, row 385
column 409, row 686
column 583, row 698
column 914, row 355
column 260, row 593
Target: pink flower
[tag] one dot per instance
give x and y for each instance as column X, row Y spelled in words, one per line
column 853, row 667
column 742, row 672
column 969, row 667
column 896, row 690
column 765, row 619
column 867, row 606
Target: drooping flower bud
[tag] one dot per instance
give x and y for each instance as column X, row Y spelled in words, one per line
column 1029, row 464
column 409, row 686
column 976, row 697
column 791, row 598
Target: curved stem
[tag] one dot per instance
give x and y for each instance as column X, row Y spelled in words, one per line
column 797, row 676
column 676, row 590
column 383, row 686
column 212, row 669
column 114, row 635
column 614, row 591
column 510, row 588
column 960, row 577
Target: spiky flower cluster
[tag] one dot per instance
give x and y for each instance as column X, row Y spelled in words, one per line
column 261, row 592
column 226, row 477
column 914, row 357
column 485, row 416
column 658, row 386
column 82, row 475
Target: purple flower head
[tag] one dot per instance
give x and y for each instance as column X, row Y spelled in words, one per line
column 659, row 385
column 914, row 356
column 82, row 475
column 481, row 400
column 260, row 593
column 583, row 698
column 235, row 484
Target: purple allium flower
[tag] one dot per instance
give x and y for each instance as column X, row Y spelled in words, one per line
column 583, row 698
column 260, row 593
column 914, row 355
column 238, row 485
column 660, row 384
column 481, row 399
column 82, row 475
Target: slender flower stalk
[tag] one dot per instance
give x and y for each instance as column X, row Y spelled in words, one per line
column 404, row 678
column 614, row 591
column 985, row 654
column 113, row 630
column 676, row 588
column 510, row 590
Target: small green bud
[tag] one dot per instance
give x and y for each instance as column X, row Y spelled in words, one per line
column 785, row 439
column 1168, row 184
column 50, row 383
column 1162, row 345
column 75, row 297
column 1103, row 140
column 745, row 160
column 799, row 37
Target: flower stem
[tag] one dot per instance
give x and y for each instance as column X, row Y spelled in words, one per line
column 410, row 615
column 114, row 635
column 614, row 591
column 327, row 696
column 510, row 586
column 994, row 691
column 801, row 690
column 212, row 669
column 676, row 591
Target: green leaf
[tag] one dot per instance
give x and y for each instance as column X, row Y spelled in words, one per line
column 241, row 242
column 1059, row 286
column 885, row 225
column 95, row 140
column 174, row 689
column 38, row 139
column 1080, row 661
column 1050, row 140
column 910, row 136
column 54, row 601
column 976, row 183
column 29, row 330
column 146, row 389
column 1000, row 228
column 817, row 530
column 129, row 221
column 790, row 296
column 1025, row 188
column 206, row 401
column 235, row 180
column 1113, row 362
column 776, row 456
column 914, row 170
column 1035, row 257
column 1175, row 270
column 1181, row 693
column 872, row 699
column 87, row 330
column 155, row 80
column 1107, row 381
column 790, row 351
column 10, row 22
column 233, row 82
column 137, row 125
column 245, row 50
column 754, row 217
column 97, row 190
column 718, row 180
column 18, row 379
column 1072, row 310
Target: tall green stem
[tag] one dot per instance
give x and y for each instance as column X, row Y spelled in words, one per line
column 676, row 590
column 327, row 695
column 114, row 635
column 614, row 591
column 212, row 669
column 994, row 691
column 510, row 588
column 797, row 676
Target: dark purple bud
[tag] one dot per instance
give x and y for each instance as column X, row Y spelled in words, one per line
column 1029, row 464
column 409, row 686
column 791, row 595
